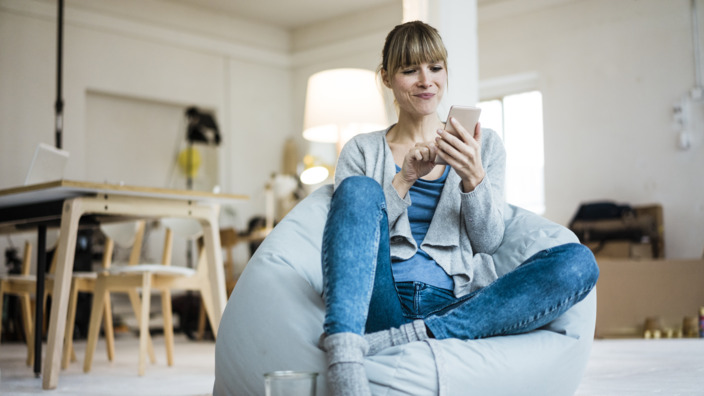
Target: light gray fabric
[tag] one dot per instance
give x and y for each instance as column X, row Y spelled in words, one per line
column 274, row 318
column 466, row 228
column 409, row 332
column 346, row 375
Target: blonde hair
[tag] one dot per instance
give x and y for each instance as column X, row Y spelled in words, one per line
column 412, row 43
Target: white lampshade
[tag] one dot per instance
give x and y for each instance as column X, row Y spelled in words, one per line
column 316, row 174
column 341, row 103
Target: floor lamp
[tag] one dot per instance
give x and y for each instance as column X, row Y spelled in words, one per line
column 341, row 103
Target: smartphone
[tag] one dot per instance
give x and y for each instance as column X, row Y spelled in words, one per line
column 468, row 116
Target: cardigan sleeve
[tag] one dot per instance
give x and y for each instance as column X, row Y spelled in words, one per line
column 349, row 163
column 482, row 208
column 367, row 155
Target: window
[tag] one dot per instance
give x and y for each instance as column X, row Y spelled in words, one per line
column 518, row 119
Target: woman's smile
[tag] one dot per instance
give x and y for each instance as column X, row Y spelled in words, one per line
column 425, row 95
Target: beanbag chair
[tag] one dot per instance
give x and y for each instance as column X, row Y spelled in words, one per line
column 275, row 314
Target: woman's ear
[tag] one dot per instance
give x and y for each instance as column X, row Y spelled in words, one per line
column 385, row 78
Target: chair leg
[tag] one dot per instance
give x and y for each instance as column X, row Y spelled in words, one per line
column 168, row 325
column 207, row 300
column 96, row 314
column 144, row 322
column 73, row 355
column 70, row 325
column 27, row 323
column 2, row 304
column 2, row 301
column 201, row 321
column 33, row 328
column 109, row 329
column 136, row 307
column 45, row 321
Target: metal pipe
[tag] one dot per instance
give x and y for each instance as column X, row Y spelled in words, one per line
column 697, row 50
column 59, row 105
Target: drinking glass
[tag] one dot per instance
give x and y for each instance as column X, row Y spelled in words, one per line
column 290, row 383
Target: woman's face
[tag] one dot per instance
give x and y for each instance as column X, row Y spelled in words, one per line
column 418, row 89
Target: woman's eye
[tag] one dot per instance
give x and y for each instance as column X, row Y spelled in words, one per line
column 408, row 71
column 436, row 68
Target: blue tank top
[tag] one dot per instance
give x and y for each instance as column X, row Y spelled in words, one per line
column 425, row 195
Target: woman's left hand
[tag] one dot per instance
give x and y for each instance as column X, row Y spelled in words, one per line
column 463, row 153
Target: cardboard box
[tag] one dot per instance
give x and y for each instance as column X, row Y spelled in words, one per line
column 638, row 235
column 621, row 250
column 630, row 291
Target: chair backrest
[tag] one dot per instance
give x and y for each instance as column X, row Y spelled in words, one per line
column 189, row 229
column 183, row 227
column 126, row 234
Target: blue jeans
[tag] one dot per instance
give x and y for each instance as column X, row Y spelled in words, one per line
column 361, row 296
column 419, row 299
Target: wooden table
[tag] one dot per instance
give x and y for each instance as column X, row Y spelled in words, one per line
column 66, row 204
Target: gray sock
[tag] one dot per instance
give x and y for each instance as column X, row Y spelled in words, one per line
column 409, row 332
column 346, row 375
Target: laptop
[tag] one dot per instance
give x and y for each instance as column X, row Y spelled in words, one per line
column 48, row 164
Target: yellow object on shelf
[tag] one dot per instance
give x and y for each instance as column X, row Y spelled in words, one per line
column 189, row 161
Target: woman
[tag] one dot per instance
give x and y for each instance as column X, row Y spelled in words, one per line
column 407, row 244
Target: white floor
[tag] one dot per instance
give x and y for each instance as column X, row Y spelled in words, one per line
column 192, row 373
column 637, row 367
column 616, row 368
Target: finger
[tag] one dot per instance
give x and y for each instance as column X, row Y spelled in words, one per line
column 448, row 151
column 423, row 154
column 446, row 139
column 462, row 132
column 478, row 132
column 428, row 150
column 433, row 148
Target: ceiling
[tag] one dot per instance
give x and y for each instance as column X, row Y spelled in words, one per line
column 286, row 13
column 291, row 14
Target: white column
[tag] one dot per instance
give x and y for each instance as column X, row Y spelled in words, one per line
column 457, row 22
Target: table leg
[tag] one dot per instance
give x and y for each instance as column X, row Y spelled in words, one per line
column 39, row 300
column 71, row 214
column 216, row 275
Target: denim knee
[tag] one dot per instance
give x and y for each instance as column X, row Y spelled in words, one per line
column 580, row 266
column 360, row 189
column 359, row 184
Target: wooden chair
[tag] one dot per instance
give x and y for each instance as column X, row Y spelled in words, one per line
column 131, row 235
column 22, row 285
column 162, row 277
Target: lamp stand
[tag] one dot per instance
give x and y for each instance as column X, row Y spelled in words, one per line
column 59, row 105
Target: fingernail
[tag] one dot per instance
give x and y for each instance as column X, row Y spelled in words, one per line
column 439, row 131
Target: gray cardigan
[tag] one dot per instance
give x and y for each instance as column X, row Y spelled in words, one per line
column 466, row 228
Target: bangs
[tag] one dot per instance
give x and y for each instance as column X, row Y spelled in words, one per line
column 417, row 46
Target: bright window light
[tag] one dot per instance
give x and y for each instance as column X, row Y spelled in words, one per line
column 518, row 119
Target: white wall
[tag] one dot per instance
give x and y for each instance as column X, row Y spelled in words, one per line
column 609, row 72
column 111, row 54
column 353, row 41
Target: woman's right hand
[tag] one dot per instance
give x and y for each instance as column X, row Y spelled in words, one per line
column 418, row 162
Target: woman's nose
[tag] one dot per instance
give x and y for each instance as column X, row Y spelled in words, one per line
column 424, row 78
